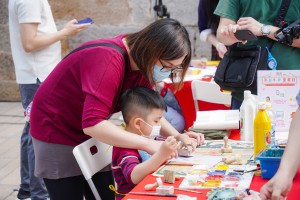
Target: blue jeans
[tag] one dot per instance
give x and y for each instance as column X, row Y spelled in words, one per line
column 235, row 104
column 29, row 182
column 174, row 114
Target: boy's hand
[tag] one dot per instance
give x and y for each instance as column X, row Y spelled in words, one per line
column 169, row 147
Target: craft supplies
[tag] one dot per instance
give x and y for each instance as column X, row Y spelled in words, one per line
column 269, row 161
column 153, row 194
column 262, row 129
column 221, row 193
column 186, row 190
column 226, row 148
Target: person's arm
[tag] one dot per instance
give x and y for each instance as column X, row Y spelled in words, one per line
column 226, row 30
column 169, row 130
column 255, row 26
column 281, row 183
column 109, row 133
column 220, row 47
column 31, row 41
column 167, row 149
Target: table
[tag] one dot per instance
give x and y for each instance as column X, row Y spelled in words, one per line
column 257, row 183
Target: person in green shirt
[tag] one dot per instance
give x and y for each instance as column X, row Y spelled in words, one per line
column 258, row 17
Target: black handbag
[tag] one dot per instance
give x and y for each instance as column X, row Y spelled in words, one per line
column 237, row 70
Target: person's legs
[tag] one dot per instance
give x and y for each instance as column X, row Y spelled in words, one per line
column 102, row 180
column 66, row 188
column 76, row 187
column 174, row 114
column 235, row 104
column 24, row 191
column 33, row 186
column 175, row 119
column 37, row 186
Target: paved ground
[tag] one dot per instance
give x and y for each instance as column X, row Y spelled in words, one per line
column 11, row 126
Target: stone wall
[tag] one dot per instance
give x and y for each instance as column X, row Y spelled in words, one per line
column 112, row 17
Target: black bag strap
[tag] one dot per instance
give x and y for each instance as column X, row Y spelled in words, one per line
column 106, row 45
column 100, row 44
column 280, row 17
column 282, row 11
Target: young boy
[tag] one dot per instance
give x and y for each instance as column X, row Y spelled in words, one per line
column 142, row 110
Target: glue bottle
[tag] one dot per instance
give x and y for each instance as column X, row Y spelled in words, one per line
column 248, row 111
column 273, row 124
column 262, row 129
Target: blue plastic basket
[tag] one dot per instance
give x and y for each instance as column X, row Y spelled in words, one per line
column 269, row 162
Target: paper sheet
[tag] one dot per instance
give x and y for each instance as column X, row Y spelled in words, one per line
column 217, row 119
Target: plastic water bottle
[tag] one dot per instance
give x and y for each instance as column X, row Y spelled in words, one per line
column 262, row 129
column 248, row 111
column 273, row 124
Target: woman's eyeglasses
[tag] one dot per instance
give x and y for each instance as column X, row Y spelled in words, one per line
column 175, row 69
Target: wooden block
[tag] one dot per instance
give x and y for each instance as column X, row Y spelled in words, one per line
column 232, row 160
column 164, row 189
column 257, row 173
column 226, row 150
column 151, row 186
column 184, row 152
column 169, row 176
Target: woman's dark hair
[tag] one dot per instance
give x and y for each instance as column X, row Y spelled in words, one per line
column 165, row 39
column 140, row 101
column 213, row 20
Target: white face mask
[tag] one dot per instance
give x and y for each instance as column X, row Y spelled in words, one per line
column 154, row 132
column 159, row 75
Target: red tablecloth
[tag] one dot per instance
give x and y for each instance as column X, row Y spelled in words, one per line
column 257, row 183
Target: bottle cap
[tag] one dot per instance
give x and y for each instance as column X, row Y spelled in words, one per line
column 247, row 92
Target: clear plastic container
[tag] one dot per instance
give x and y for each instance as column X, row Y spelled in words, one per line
column 273, row 124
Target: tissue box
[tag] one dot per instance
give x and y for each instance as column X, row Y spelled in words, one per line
column 269, row 162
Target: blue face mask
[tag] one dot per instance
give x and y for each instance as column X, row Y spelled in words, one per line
column 159, row 75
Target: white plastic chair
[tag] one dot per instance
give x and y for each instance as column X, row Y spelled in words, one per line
column 91, row 163
column 209, row 92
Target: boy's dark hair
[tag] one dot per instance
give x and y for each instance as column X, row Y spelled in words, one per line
column 140, row 101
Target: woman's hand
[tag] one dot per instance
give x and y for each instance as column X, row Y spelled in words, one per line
column 199, row 137
column 191, row 139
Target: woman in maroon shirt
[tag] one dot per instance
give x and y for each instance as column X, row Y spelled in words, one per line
column 75, row 101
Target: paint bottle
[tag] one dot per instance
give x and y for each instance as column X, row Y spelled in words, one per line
column 273, row 125
column 262, row 129
column 248, row 111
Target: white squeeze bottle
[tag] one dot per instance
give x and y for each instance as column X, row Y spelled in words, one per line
column 248, row 111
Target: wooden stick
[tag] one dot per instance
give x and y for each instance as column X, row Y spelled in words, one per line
column 153, row 194
column 186, row 190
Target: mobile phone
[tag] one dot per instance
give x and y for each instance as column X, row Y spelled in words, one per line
column 85, row 21
column 245, row 35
